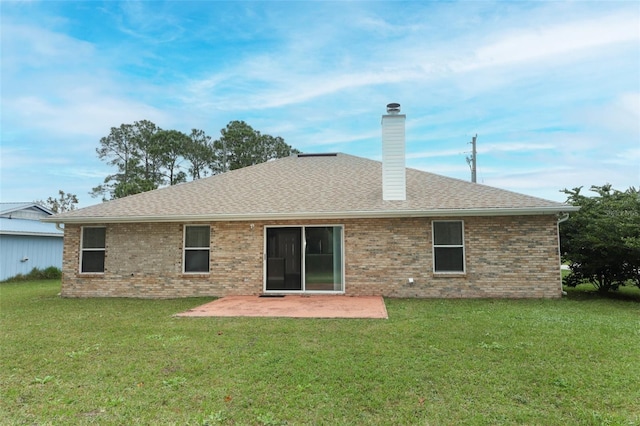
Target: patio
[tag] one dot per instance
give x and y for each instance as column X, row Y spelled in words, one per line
column 292, row 306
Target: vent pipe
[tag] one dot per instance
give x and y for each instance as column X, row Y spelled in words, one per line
column 393, row 155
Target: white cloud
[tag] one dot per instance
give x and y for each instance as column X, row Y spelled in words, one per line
column 290, row 75
column 514, row 147
column 536, row 44
column 89, row 114
column 62, row 86
column 432, row 153
column 30, row 47
column 458, row 171
column 631, row 155
column 276, row 86
column 620, row 117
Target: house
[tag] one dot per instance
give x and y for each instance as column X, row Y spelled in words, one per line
column 317, row 223
column 26, row 242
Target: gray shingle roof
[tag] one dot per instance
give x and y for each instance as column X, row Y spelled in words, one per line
column 310, row 187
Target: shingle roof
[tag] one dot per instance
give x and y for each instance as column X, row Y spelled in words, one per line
column 310, row 187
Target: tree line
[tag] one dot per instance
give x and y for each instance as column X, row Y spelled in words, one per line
column 146, row 157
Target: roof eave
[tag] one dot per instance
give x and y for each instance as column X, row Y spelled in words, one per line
column 500, row 211
column 28, row 206
column 32, row 234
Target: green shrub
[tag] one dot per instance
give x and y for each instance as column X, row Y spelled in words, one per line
column 49, row 273
column 601, row 241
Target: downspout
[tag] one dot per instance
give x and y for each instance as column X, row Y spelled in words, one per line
column 561, row 218
column 58, row 227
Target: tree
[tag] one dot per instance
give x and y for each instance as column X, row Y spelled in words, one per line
column 168, row 148
column 126, row 148
column 147, row 157
column 601, row 240
column 199, row 153
column 65, row 202
column 241, row 146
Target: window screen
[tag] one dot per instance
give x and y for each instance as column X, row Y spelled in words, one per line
column 93, row 250
column 197, row 241
column 448, row 246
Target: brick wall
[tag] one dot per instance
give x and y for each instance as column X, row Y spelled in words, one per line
column 511, row 256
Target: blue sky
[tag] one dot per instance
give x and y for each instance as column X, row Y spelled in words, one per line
column 551, row 88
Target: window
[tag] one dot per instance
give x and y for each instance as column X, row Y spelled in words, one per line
column 93, row 250
column 196, row 249
column 448, row 246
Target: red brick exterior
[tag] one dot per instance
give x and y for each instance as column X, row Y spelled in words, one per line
column 506, row 257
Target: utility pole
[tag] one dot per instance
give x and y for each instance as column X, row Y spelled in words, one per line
column 472, row 160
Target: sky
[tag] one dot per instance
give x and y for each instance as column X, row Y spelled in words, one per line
column 551, row 88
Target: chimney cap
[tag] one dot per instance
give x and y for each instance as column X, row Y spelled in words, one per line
column 393, row 108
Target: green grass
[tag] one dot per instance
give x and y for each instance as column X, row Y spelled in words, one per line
column 585, row 291
column 121, row 361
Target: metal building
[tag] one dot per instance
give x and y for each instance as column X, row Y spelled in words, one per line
column 25, row 241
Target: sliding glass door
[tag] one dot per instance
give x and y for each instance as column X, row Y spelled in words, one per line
column 315, row 250
column 284, row 259
column 323, row 258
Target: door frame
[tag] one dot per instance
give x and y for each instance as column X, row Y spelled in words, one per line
column 303, row 249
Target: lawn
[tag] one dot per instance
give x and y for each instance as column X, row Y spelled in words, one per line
column 433, row 362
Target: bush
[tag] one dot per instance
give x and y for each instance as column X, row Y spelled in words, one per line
column 50, row 273
column 601, row 241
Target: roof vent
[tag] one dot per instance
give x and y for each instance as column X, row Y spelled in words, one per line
column 322, row 154
column 393, row 108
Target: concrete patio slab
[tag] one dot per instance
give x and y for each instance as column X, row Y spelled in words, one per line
column 292, row 306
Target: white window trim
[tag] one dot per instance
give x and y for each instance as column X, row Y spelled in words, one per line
column 185, row 248
column 82, row 249
column 433, row 249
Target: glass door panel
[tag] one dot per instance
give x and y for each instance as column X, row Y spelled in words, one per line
column 323, row 258
column 284, row 259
